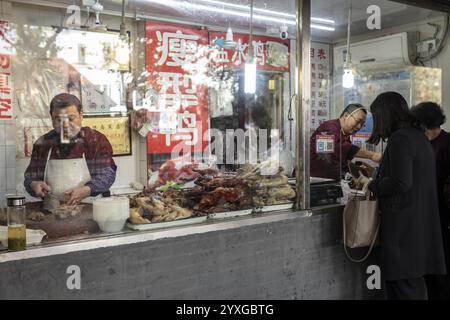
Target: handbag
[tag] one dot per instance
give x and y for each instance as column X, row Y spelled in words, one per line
column 361, row 222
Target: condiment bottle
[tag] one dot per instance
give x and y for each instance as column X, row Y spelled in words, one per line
column 17, row 237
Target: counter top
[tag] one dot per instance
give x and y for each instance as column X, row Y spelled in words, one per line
column 126, row 237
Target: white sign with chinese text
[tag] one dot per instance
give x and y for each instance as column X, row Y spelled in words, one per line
column 320, row 84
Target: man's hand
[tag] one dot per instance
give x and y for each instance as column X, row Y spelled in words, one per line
column 78, row 194
column 40, row 188
column 376, row 157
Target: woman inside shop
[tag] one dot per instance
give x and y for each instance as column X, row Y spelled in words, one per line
column 330, row 145
column 70, row 161
column 410, row 237
column 431, row 117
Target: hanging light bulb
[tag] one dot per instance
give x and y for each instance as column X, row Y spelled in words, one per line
column 250, row 72
column 122, row 50
column 348, row 78
column 229, row 42
column 97, row 26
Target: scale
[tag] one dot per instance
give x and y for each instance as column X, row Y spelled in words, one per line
column 323, row 191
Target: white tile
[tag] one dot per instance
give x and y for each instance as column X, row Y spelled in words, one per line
column 11, row 179
column 11, row 134
column 2, row 180
column 10, row 156
column 2, row 157
column 2, row 135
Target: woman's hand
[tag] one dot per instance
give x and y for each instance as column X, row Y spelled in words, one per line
column 376, row 157
column 362, row 181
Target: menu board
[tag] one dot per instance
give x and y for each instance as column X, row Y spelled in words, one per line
column 177, row 64
column 320, row 84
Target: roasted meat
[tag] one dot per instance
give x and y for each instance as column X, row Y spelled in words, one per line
column 157, row 210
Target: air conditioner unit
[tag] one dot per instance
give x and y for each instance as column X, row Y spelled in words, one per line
column 397, row 49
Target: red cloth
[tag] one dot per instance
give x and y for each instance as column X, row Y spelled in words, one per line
column 331, row 165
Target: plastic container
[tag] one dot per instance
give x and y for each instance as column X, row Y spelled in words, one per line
column 111, row 213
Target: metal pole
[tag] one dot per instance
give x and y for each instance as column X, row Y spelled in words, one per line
column 303, row 91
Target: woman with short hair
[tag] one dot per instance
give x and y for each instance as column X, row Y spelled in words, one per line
column 330, row 145
column 431, row 117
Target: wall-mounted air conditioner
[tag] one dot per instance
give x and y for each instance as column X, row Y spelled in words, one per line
column 397, row 49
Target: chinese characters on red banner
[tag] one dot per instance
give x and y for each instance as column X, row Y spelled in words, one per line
column 272, row 54
column 177, row 64
column 6, row 109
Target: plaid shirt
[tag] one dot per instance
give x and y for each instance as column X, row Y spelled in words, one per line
column 93, row 144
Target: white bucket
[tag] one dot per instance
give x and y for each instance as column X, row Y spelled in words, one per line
column 111, row 213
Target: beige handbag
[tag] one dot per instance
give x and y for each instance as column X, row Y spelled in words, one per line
column 361, row 222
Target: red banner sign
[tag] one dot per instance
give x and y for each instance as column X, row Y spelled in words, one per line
column 6, row 108
column 272, row 53
column 177, row 64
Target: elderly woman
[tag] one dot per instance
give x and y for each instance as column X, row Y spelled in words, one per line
column 431, row 118
column 410, row 235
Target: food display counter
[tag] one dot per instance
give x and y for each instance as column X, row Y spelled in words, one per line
column 233, row 224
column 286, row 255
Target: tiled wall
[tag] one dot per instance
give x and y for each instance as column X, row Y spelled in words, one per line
column 12, row 169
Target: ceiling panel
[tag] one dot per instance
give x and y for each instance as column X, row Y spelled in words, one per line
column 393, row 13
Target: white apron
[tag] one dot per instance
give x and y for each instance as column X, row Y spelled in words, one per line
column 64, row 174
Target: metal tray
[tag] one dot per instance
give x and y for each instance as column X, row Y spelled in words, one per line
column 275, row 207
column 230, row 214
column 168, row 224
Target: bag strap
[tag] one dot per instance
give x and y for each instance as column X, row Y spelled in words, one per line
column 372, row 244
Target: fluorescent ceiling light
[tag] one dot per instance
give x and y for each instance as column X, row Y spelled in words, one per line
column 178, row 4
column 270, row 12
column 318, row 26
column 322, row 20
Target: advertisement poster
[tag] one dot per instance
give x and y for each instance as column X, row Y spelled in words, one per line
column 272, row 53
column 177, row 65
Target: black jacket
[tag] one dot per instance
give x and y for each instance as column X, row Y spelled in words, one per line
column 410, row 234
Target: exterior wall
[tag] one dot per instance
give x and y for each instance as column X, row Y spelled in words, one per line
column 299, row 258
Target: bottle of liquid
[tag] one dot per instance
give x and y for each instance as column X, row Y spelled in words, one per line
column 17, row 237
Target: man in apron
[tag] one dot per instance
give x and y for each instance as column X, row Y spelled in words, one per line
column 70, row 162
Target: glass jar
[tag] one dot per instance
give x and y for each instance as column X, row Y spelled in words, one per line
column 16, row 211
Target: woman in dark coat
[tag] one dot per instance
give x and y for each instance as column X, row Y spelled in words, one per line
column 431, row 116
column 405, row 186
